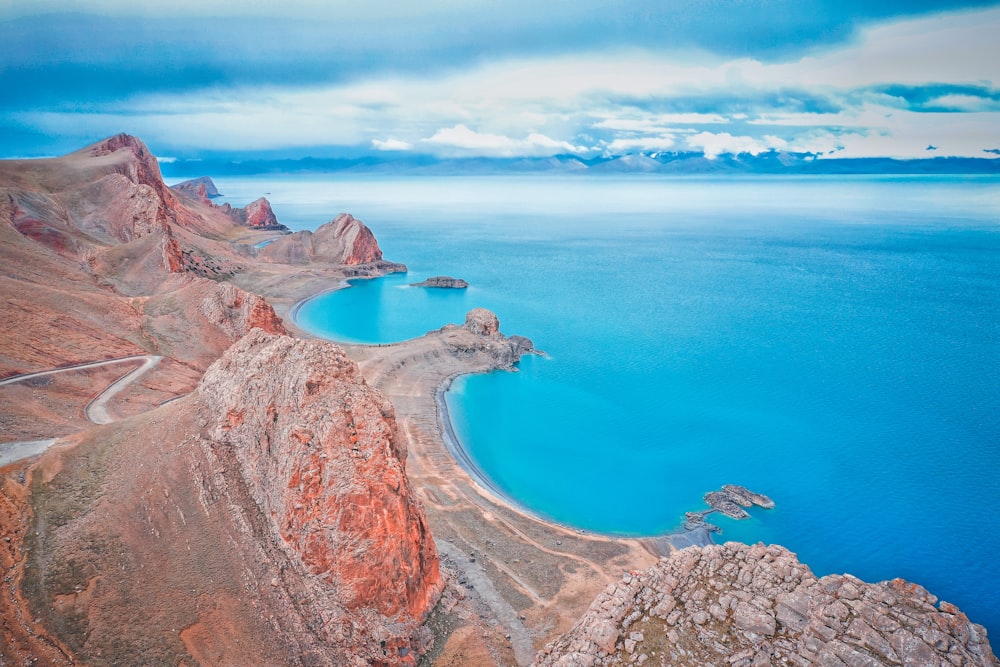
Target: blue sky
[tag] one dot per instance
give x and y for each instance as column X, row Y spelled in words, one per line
column 457, row 78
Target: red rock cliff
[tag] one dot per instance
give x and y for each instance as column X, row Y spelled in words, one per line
column 319, row 453
column 265, row 519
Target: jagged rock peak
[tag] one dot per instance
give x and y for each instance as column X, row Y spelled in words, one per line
column 745, row 606
column 344, row 241
column 142, row 169
column 200, row 188
column 320, row 455
column 117, row 143
column 360, row 246
column 258, row 214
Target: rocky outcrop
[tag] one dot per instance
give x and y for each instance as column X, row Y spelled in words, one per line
column 481, row 333
column 747, row 606
column 142, row 169
column 200, row 189
column 256, row 215
column 444, row 282
column 343, row 240
column 319, row 452
column 265, row 519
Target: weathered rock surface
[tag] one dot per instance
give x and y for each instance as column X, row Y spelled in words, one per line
column 200, row 189
column 343, row 240
column 264, row 519
column 319, row 454
column 445, row 282
column 742, row 605
column 256, row 215
column 484, row 326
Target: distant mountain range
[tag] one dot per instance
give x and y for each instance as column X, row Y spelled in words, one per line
column 680, row 164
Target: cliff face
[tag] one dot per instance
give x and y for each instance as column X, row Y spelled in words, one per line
column 264, row 519
column 201, row 189
column 343, row 240
column 319, row 453
column 747, row 606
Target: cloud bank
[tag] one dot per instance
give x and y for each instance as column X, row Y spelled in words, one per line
column 882, row 84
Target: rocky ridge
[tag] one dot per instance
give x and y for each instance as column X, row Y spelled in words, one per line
column 748, row 606
column 200, row 189
column 319, row 453
column 268, row 520
column 344, row 240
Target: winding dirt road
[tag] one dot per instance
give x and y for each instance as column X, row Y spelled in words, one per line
column 96, row 410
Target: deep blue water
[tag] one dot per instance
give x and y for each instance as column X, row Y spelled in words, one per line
column 833, row 343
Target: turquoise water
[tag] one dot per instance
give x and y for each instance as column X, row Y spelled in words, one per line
column 832, row 343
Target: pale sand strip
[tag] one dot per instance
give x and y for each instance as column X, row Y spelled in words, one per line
column 543, row 571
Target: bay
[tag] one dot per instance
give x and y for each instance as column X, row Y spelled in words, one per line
column 833, row 343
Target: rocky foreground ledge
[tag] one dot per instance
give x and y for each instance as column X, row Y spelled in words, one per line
column 750, row 606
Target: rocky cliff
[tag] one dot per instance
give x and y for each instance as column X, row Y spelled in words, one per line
column 749, row 606
column 343, row 240
column 319, row 453
column 200, row 189
column 102, row 260
column 255, row 215
column 264, row 519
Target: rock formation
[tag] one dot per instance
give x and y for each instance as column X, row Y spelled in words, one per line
column 256, row 215
column 200, row 189
column 265, row 519
column 747, row 606
column 505, row 351
column 343, row 240
column 319, row 454
column 444, row 282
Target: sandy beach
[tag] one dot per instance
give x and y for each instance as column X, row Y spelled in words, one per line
column 515, row 579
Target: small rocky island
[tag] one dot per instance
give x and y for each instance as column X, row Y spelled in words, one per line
column 730, row 500
column 445, row 282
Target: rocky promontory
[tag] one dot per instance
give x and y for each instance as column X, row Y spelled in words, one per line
column 750, row 606
column 264, row 519
column 344, row 240
column 443, row 282
column 199, row 189
column 255, row 215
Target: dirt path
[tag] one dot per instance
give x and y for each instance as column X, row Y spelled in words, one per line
column 96, row 410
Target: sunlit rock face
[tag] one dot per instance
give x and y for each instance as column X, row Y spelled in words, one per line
column 751, row 606
column 344, row 240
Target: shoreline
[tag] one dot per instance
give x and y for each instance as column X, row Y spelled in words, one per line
column 659, row 544
column 293, row 312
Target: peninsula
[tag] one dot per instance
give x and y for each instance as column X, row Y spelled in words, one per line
column 178, row 458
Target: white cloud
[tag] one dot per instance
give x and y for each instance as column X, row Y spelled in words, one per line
column 715, row 145
column 462, row 140
column 641, row 144
column 391, row 145
column 608, row 101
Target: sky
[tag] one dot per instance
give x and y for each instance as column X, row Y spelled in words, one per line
column 509, row 78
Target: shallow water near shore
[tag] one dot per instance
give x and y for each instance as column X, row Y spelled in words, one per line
column 833, row 343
